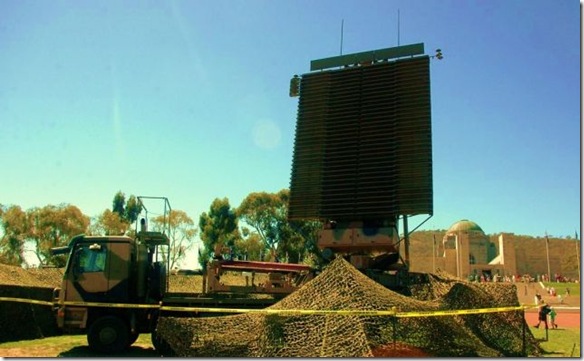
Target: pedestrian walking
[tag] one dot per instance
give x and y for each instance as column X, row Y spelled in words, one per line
column 552, row 315
column 544, row 310
column 537, row 298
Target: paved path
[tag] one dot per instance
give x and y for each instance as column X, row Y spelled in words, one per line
column 526, row 296
column 567, row 308
column 564, row 319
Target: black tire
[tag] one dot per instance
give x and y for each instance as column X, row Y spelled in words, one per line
column 161, row 345
column 108, row 334
column 132, row 338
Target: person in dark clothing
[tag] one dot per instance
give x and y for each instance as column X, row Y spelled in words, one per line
column 544, row 309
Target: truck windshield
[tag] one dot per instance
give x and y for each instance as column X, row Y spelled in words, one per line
column 90, row 259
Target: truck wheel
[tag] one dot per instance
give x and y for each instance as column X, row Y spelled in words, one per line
column 133, row 337
column 160, row 345
column 108, row 335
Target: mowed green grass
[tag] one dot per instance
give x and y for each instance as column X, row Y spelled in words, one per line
column 561, row 287
column 561, row 343
column 70, row 346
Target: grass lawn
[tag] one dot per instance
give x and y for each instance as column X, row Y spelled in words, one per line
column 70, row 346
column 562, row 286
column 562, row 342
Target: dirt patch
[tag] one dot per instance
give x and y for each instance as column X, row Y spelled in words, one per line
column 398, row 349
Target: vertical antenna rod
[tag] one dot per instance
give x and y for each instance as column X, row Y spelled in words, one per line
column 342, row 23
column 397, row 27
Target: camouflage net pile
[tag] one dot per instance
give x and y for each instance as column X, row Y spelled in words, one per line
column 23, row 321
column 33, row 277
column 342, row 287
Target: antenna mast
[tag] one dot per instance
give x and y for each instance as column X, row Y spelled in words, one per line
column 342, row 23
column 397, row 27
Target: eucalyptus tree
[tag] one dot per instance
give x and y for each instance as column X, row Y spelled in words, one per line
column 182, row 232
column 14, row 223
column 218, row 229
column 53, row 226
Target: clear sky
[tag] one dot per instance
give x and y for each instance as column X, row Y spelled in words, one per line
column 189, row 100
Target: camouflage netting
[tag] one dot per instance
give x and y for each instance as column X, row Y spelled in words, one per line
column 33, row 277
column 341, row 286
column 23, row 321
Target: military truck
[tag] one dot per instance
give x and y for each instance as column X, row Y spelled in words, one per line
column 116, row 287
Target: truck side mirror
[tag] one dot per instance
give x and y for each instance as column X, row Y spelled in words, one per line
column 59, row 250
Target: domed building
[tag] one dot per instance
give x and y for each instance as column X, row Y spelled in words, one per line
column 465, row 225
column 468, row 252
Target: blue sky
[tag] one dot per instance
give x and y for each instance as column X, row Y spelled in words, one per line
column 189, row 100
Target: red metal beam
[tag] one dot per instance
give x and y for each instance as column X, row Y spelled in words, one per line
column 264, row 266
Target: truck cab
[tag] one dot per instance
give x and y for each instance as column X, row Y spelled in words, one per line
column 103, row 277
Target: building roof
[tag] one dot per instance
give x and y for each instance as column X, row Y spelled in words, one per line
column 465, row 225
